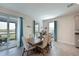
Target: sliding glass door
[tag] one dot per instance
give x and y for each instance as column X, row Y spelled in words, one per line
column 7, row 35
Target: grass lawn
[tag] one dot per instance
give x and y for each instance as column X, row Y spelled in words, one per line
column 3, row 34
column 11, row 37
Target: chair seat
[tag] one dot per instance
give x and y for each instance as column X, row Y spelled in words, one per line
column 40, row 46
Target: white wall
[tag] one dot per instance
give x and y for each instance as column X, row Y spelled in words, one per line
column 28, row 31
column 65, row 28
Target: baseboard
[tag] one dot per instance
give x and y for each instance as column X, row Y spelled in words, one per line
column 67, row 43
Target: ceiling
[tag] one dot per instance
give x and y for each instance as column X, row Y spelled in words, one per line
column 42, row 11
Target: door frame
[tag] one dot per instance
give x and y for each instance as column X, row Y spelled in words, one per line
column 8, row 21
column 55, row 29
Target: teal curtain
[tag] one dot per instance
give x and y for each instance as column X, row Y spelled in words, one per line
column 55, row 30
column 34, row 28
column 21, row 31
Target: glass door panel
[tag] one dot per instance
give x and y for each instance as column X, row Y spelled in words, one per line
column 12, row 35
column 3, row 35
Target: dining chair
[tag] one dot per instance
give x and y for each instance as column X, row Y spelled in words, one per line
column 43, row 46
column 49, row 40
column 27, row 47
column 30, row 40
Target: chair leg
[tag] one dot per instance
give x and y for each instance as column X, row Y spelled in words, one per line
column 42, row 52
column 27, row 53
column 51, row 46
column 23, row 51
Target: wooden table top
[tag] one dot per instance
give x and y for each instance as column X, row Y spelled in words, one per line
column 36, row 41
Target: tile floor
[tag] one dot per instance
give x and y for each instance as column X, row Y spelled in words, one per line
column 9, row 44
column 58, row 49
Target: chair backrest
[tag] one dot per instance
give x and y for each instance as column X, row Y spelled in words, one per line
column 25, row 44
column 29, row 39
column 44, row 41
column 49, row 38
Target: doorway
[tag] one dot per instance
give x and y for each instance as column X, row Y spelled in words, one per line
column 53, row 30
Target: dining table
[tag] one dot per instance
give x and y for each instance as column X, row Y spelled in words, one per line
column 36, row 41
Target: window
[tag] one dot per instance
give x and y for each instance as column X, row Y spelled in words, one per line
column 36, row 28
column 3, row 29
column 51, row 28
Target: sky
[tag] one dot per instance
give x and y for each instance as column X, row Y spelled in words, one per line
column 3, row 25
